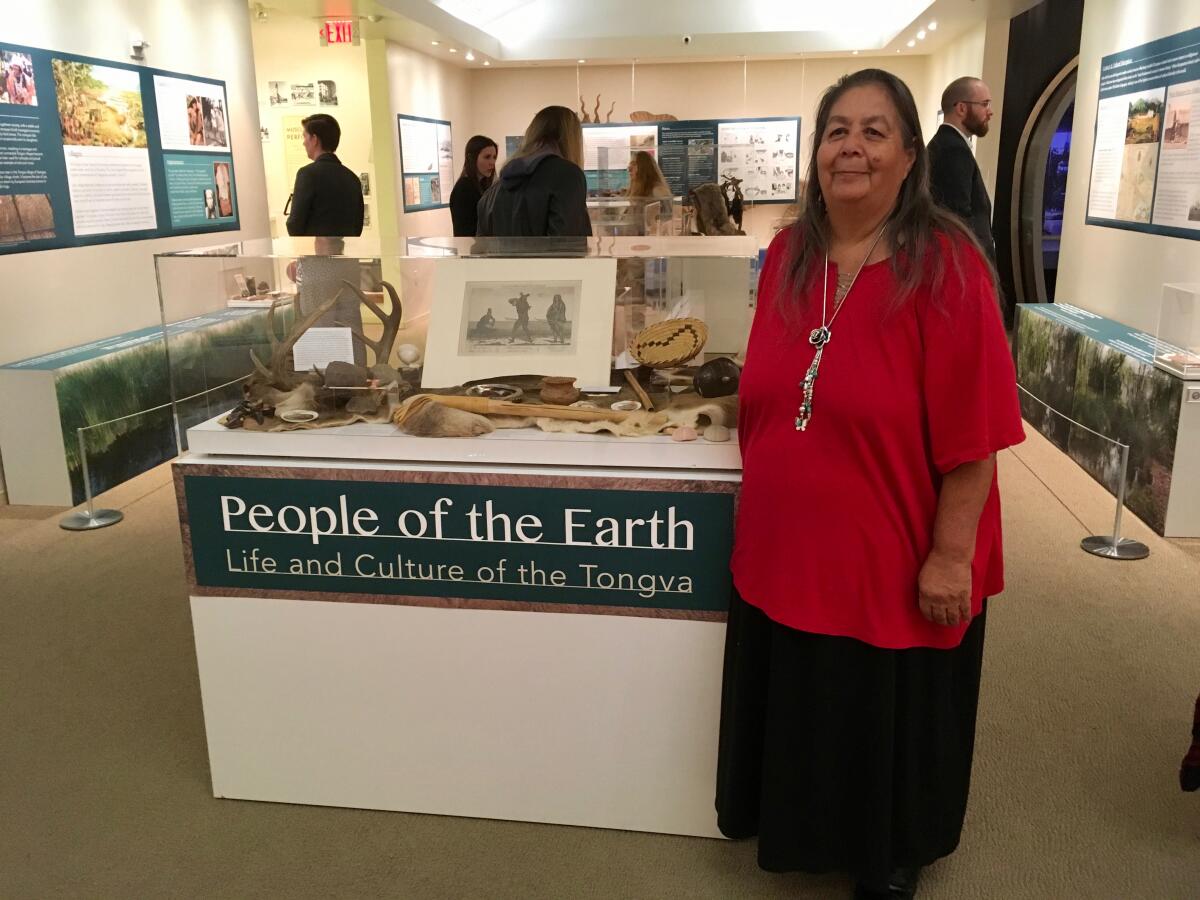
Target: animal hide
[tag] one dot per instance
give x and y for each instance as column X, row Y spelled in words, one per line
column 712, row 215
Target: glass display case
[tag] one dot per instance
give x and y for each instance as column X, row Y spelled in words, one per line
column 568, row 338
column 1178, row 346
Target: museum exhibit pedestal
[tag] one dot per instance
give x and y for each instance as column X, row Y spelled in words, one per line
column 518, row 626
column 1103, row 375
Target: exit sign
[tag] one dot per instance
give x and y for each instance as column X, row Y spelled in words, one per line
column 339, row 31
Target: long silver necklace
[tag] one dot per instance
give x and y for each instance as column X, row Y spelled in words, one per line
column 819, row 337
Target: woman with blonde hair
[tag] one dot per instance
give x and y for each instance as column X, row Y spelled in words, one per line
column 647, row 185
column 542, row 190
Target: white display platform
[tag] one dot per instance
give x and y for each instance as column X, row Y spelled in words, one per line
column 601, row 720
column 525, row 446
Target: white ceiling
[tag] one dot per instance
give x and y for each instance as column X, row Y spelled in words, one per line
column 532, row 32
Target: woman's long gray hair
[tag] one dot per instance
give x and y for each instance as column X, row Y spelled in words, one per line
column 911, row 229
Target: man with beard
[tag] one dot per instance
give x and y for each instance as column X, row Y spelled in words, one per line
column 954, row 175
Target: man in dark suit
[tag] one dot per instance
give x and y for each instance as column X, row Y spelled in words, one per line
column 327, row 200
column 953, row 173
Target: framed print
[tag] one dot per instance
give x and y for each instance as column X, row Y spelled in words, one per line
column 496, row 317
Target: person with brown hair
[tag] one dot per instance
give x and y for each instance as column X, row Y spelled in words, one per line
column 878, row 388
column 478, row 173
column 646, row 186
column 327, row 199
column 954, row 176
column 542, row 191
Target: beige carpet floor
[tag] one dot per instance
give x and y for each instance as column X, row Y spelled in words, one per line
column 1092, row 668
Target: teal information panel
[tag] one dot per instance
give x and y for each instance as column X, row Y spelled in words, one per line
column 649, row 552
column 94, row 151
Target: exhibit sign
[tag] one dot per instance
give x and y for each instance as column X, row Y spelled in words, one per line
column 1145, row 163
column 760, row 153
column 93, row 151
column 654, row 548
column 607, row 150
column 426, row 162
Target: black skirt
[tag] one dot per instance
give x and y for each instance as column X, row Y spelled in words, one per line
column 843, row 756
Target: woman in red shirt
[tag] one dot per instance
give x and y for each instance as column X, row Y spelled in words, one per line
column 877, row 389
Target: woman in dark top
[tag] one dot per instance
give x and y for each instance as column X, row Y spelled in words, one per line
column 542, row 191
column 479, row 171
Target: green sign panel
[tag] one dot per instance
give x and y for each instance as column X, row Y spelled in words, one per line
column 656, row 550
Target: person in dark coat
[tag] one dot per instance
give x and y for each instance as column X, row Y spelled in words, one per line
column 954, row 176
column 327, row 200
column 542, row 191
column 478, row 173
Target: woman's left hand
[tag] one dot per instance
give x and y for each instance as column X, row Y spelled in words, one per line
column 944, row 589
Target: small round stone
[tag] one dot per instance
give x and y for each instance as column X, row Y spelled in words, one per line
column 408, row 353
column 684, row 433
column 717, row 434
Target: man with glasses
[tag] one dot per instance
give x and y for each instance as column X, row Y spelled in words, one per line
column 954, row 175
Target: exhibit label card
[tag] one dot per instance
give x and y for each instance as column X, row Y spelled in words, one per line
column 1145, row 162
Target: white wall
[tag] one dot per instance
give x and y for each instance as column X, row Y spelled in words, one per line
column 57, row 298
column 287, row 49
column 1117, row 273
column 419, row 85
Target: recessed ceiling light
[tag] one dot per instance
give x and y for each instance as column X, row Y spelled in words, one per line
column 452, row 50
column 436, row 43
column 469, row 57
column 581, row 61
column 912, row 43
column 921, row 35
column 932, row 26
column 487, row 62
column 854, row 53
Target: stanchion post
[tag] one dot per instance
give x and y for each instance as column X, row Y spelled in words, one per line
column 89, row 519
column 1113, row 546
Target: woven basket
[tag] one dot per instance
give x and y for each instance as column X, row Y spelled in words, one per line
column 671, row 342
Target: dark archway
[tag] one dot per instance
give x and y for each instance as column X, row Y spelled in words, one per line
column 1033, row 237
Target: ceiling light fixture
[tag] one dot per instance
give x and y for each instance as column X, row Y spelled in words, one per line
column 487, row 62
column 581, row 61
column 470, row 57
column 912, row 43
column 932, row 26
column 921, row 35
column 453, row 50
column 436, row 43
column 854, row 53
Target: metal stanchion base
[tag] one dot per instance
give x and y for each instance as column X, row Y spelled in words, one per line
column 1102, row 545
column 85, row 521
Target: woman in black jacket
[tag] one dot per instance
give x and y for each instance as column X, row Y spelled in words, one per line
column 478, row 173
column 542, row 191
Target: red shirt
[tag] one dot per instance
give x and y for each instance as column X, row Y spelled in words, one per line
column 835, row 522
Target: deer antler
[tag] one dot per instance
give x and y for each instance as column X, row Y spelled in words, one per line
column 277, row 375
column 391, row 322
column 596, row 112
column 608, row 116
column 583, row 113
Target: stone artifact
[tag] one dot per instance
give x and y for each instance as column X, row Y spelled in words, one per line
column 717, row 378
column 716, row 434
column 557, row 389
column 684, row 433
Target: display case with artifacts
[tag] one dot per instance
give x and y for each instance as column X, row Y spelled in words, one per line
column 453, row 487
column 494, row 339
column 1178, row 336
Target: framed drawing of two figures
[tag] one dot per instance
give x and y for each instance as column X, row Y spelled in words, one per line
column 501, row 317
